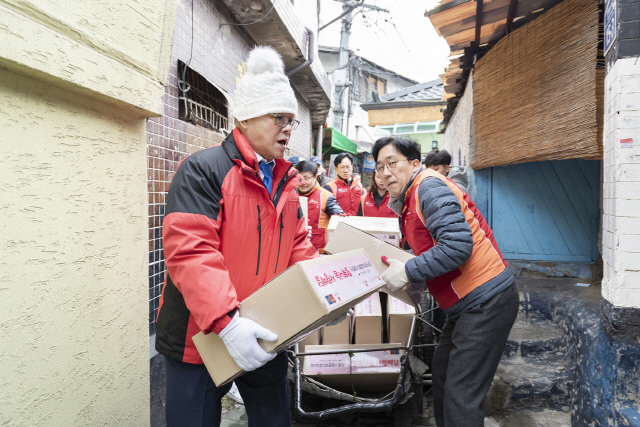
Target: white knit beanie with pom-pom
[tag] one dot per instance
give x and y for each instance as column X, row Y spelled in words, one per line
column 264, row 88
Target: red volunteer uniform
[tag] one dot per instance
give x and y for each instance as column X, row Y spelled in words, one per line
column 369, row 207
column 348, row 196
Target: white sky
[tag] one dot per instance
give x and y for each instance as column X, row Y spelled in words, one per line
column 374, row 37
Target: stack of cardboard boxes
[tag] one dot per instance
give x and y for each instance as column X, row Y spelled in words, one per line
column 381, row 321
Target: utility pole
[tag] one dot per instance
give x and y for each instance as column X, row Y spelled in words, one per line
column 342, row 74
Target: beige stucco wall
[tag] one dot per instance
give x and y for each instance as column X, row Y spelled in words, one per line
column 77, row 80
column 457, row 136
column 114, row 50
column 73, row 267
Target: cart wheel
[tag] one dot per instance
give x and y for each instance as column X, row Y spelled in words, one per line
column 436, row 317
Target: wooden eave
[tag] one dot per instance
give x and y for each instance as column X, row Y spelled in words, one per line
column 471, row 28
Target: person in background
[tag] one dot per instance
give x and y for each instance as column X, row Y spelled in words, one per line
column 322, row 177
column 294, row 160
column 376, row 201
column 233, row 223
column 439, row 161
column 465, row 273
column 345, row 186
column 321, row 204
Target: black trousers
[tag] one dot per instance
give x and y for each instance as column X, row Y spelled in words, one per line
column 467, row 358
column 194, row 400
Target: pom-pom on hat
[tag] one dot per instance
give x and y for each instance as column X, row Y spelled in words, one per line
column 264, row 88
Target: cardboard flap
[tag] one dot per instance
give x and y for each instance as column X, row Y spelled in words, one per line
column 347, row 237
column 371, row 224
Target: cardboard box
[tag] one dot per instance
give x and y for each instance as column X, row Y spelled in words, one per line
column 368, row 324
column 338, row 334
column 301, row 299
column 385, row 229
column 400, row 317
column 347, row 238
column 313, row 338
column 366, row 372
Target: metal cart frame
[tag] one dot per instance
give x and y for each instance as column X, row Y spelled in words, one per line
column 404, row 386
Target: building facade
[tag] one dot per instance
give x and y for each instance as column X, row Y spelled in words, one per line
column 365, row 77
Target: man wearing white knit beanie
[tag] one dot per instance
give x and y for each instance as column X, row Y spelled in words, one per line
column 233, row 223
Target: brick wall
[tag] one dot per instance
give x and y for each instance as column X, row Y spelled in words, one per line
column 218, row 54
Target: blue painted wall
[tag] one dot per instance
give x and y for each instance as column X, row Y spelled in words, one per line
column 542, row 211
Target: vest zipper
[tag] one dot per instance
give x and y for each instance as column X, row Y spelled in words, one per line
column 259, row 239
column 279, row 241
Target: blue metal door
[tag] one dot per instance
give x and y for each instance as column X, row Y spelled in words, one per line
column 546, row 211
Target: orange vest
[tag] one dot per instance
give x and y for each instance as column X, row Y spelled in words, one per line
column 317, row 218
column 485, row 263
column 369, row 207
column 348, row 197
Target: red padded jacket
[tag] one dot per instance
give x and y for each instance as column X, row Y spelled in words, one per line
column 224, row 237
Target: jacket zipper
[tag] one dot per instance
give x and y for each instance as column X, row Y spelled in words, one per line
column 279, row 241
column 276, row 194
column 259, row 239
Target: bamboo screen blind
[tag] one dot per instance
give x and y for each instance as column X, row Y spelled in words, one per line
column 535, row 92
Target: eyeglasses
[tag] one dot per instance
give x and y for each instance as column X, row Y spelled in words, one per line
column 345, row 168
column 283, row 121
column 308, row 178
column 390, row 165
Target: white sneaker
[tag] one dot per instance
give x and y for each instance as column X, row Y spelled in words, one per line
column 234, row 394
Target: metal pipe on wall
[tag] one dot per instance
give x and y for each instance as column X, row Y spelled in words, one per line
column 319, row 139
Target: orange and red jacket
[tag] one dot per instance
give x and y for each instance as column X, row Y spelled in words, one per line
column 321, row 204
column 348, row 196
column 455, row 250
column 224, row 237
column 369, row 207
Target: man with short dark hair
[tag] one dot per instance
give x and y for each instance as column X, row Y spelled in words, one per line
column 439, row 161
column 345, row 186
column 233, row 223
column 465, row 272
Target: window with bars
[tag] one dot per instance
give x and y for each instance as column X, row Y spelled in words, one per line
column 201, row 103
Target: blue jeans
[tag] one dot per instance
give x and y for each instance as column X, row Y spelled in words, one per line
column 194, row 400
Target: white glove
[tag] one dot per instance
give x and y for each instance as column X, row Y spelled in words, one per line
column 395, row 277
column 241, row 338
